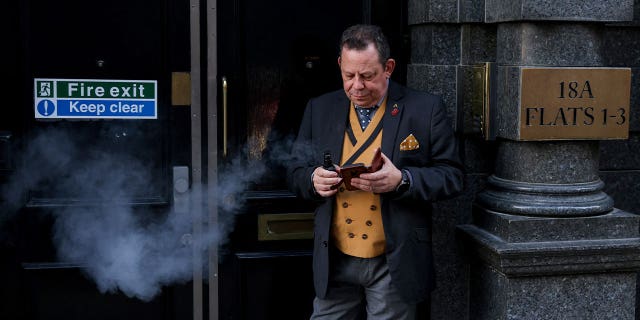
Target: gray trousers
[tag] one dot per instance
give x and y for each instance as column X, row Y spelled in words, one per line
column 359, row 287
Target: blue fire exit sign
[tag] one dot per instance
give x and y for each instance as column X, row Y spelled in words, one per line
column 95, row 99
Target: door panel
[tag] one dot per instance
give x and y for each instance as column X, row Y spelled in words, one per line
column 274, row 58
column 59, row 176
column 79, row 40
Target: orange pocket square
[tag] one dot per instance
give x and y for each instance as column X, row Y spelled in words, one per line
column 409, row 143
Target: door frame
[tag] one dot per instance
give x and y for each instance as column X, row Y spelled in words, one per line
column 204, row 123
column 213, row 83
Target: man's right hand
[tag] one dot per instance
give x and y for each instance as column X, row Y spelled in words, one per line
column 324, row 181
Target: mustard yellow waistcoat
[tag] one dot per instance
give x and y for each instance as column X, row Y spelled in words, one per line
column 357, row 222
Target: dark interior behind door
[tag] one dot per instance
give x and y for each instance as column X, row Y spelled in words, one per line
column 274, row 56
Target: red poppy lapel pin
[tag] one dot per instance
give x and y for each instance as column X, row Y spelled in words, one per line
column 395, row 110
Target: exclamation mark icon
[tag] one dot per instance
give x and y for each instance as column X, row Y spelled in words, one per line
column 46, row 108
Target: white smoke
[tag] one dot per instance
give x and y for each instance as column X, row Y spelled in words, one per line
column 122, row 246
column 120, row 252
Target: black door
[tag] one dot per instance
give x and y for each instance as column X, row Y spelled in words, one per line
column 273, row 57
column 87, row 226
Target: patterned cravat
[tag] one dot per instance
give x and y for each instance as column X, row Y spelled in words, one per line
column 365, row 115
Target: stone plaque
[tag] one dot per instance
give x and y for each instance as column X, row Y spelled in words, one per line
column 574, row 103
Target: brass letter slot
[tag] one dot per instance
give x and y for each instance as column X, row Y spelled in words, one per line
column 285, row 226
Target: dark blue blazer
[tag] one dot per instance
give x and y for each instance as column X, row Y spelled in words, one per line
column 435, row 169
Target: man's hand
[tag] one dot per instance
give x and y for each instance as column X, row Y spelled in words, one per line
column 384, row 180
column 324, row 182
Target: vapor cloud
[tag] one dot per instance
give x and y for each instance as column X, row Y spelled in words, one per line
column 123, row 246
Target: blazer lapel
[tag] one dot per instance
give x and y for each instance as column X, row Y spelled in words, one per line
column 391, row 120
column 340, row 117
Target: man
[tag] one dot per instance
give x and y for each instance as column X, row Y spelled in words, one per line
column 372, row 247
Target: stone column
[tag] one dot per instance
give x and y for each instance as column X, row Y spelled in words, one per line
column 447, row 38
column 546, row 242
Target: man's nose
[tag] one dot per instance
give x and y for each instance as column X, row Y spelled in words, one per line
column 358, row 82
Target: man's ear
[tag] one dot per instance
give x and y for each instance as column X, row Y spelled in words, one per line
column 339, row 60
column 388, row 67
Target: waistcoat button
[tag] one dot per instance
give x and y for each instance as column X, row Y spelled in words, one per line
column 373, row 207
column 344, row 204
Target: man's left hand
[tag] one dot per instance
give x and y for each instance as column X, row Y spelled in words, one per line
column 384, row 180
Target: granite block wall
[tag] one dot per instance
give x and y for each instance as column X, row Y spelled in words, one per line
column 437, row 67
column 550, row 10
column 560, row 294
column 620, row 160
column 449, row 37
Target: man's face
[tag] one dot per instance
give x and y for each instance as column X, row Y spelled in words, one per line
column 364, row 78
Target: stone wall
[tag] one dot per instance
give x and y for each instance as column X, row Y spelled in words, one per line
column 449, row 37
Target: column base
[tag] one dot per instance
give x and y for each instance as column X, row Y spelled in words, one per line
column 546, row 200
column 527, row 268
